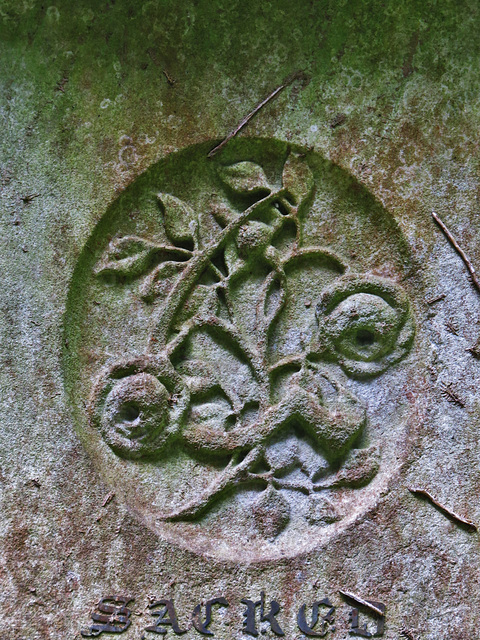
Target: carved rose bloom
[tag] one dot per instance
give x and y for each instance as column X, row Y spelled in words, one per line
column 365, row 325
column 137, row 406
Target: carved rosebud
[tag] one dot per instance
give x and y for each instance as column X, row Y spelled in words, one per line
column 253, row 237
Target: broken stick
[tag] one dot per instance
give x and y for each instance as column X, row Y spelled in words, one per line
column 458, row 249
column 451, row 514
column 248, row 117
column 363, row 602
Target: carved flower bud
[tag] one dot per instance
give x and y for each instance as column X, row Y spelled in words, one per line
column 135, row 413
column 253, row 237
column 366, row 324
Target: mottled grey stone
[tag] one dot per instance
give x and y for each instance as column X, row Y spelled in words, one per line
column 221, row 374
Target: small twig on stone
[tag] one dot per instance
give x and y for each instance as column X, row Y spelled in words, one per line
column 169, row 78
column 432, row 370
column 407, row 633
column 451, row 514
column 338, row 120
column 27, row 199
column 248, row 117
column 451, row 395
column 475, row 350
column 442, row 296
column 362, row 601
column 459, row 250
column 61, row 85
column 108, row 499
column 451, row 326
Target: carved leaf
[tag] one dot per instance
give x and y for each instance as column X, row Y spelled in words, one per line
column 245, row 178
column 359, row 468
column 203, row 377
column 210, row 348
column 212, row 404
column 131, row 256
column 128, row 256
column 202, row 303
column 274, row 298
column 297, row 178
column 179, row 219
column 271, row 513
column 160, row 281
column 247, row 291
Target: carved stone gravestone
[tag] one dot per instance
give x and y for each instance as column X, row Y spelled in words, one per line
column 239, row 374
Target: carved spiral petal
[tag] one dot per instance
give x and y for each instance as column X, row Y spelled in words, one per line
column 365, row 324
column 137, row 406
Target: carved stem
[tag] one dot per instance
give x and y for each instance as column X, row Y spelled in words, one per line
column 186, row 281
column 231, row 475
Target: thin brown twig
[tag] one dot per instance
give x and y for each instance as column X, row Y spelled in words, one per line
column 27, row 199
column 438, row 298
column 459, row 250
column 475, row 350
column 108, row 499
column 169, row 78
column 451, row 395
column 248, row 117
column 362, row 601
column 451, row 514
column 407, row 633
column 452, row 327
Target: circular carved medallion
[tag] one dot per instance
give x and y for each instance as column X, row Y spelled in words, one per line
column 240, row 349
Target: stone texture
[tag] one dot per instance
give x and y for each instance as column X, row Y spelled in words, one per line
column 92, row 96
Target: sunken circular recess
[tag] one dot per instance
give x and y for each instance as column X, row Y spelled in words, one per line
column 239, row 329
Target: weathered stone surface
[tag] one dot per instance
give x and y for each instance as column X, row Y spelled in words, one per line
column 221, row 375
